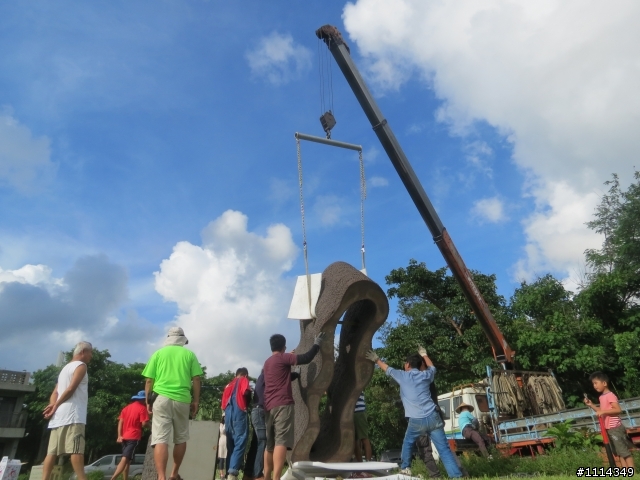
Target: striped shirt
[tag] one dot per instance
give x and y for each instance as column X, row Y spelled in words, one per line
column 360, row 406
column 610, row 421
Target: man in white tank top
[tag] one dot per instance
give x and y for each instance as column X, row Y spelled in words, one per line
column 67, row 412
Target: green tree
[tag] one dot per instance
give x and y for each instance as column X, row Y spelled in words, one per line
column 434, row 312
column 111, row 386
column 612, row 292
column 387, row 424
column 549, row 332
column 211, row 396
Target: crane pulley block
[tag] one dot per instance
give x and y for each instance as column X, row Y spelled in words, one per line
column 328, row 121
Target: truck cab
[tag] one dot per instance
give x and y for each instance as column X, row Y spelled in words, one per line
column 471, row 395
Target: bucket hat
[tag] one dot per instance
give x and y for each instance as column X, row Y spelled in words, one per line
column 175, row 336
column 463, row 405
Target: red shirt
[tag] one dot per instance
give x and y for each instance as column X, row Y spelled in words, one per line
column 241, row 393
column 610, row 421
column 277, row 380
column 133, row 416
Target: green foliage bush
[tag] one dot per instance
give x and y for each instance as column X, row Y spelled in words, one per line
column 553, row 462
column 97, row 475
column 568, row 438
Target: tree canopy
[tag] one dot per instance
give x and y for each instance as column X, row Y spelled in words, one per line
column 549, row 327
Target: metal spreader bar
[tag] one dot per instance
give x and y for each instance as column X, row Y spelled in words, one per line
column 327, row 141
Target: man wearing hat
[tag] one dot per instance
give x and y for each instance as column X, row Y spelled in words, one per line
column 466, row 422
column 170, row 373
column 133, row 418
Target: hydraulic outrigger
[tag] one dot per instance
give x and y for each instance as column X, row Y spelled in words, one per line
column 501, row 349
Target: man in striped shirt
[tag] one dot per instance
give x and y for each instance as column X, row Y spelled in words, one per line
column 362, row 431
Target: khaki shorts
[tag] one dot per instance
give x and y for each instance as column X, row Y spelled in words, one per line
column 67, row 440
column 620, row 444
column 169, row 417
column 280, row 427
column 361, row 424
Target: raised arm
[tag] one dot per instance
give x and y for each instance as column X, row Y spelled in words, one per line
column 373, row 356
column 306, row 358
column 423, row 353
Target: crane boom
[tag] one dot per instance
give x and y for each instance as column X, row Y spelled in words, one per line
column 340, row 51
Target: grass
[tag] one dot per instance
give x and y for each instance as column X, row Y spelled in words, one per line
column 554, row 464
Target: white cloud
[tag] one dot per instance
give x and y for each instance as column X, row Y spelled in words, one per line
column 556, row 234
column 25, row 162
column 490, row 210
column 279, row 59
column 557, row 78
column 41, row 314
column 231, row 292
column 378, row 182
column 477, row 154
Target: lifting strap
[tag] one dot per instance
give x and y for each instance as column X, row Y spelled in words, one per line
column 304, row 228
column 363, row 196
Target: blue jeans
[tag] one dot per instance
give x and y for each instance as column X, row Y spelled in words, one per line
column 260, row 437
column 237, row 435
column 434, row 426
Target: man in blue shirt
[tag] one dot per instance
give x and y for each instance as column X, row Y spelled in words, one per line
column 465, row 422
column 419, row 409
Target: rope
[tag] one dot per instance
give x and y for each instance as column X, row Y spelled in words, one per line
column 545, row 394
column 540, row 394
column 321, row 76
column 330, row 78
column 363, row 197
column 304, row 228
column 509, row 397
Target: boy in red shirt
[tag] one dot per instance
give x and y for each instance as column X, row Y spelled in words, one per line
column 132, row 419
column 610, row 409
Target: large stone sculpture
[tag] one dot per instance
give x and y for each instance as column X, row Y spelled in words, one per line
column 328, row 436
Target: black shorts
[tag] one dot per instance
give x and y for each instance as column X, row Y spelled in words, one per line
column 129, row 448
column 221, row 463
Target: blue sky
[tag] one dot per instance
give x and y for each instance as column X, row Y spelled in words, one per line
column 127, row 127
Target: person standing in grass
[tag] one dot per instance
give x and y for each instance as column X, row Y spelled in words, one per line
column 235, row 400
column 362, row 431
column 610, row 409
column 222, row 449
column 278, row 401
column 170, row 373
column 67, row 412
column 419, row 408
column 133, row 418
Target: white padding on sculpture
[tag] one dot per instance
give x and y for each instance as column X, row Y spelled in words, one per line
column 299, row 309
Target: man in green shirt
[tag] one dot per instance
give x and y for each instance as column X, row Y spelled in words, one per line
column 169, row 374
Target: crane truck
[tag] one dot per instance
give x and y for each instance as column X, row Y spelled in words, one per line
column 524, row 427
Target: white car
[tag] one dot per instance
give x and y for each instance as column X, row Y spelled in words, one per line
column 108, row 464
